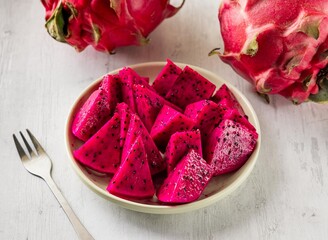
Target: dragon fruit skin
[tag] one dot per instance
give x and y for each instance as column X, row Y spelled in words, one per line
column 169, row 121
column 105, row 24
column 189, row 87
column 102, row 151
column 229, row 146
column 166, row 78
column 136, row 129
column 179, row 144
column 133, row 178
column 187, row 181
column 279, row 46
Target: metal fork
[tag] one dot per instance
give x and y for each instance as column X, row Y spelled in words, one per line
column 39, row 164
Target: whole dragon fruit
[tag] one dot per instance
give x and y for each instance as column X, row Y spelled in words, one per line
column 105, row 24
column 281, row 46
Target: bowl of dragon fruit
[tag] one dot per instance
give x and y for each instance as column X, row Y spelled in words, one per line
column 162, row 137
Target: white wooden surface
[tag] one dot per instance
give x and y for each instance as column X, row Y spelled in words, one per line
column 286, row 196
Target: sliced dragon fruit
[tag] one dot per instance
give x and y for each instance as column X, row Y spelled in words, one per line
column 111, row 84
column 168, row 122
column 179, row 144
column 229, row 146
column 98, row 108
column 125, row 114
column 226, row 99
column 133, row 178
column 234, row 115
column 93, row 114
column 189, row 87
column 102, row 151
column 148, row 104
column 166, row 78
column 137, row 128
column 206, row 114
column 187, row 181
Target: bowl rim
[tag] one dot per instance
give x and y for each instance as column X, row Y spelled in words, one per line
column 164, row 209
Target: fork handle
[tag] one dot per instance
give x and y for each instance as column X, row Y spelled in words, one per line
column 81, row 231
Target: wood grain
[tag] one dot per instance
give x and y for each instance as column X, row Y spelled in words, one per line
column 284, row 198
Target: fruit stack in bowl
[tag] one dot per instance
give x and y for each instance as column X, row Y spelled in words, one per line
column 179, row 126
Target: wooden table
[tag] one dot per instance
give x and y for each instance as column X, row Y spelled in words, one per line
column 285, row 197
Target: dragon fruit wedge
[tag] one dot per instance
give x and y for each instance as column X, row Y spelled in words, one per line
column 98, row 108
column 105, row 24
column 229, row 146
column 102, row 151
column 186, row 181
column 180, row 143
column 166, row 78
column 167, row 123
column 136, row 129
column 280, row 46
column 133, row 178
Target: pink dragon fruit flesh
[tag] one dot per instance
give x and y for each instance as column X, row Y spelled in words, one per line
column 133, row 178
column 168, row 122
column 105, row 24
column 136, row 129
column 189, row 87
column 128, row 78
column 225, row 98
column 93, row 114
column 125, row 114
column 280, row 46
column 179, row 144
column 166, row 78
column 98, row 108
column 148, row 104
column 234, row 115
column 187, row 181
column 206, row 114
column 229, row 146
column 102, row 151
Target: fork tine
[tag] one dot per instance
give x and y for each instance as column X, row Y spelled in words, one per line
column 20, row 150
column 35, row 142
column 27, row 145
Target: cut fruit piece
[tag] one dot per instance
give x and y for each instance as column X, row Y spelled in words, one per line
column 112, row 85
column 102, row 151
column 148, row 104
column 168, row 122
column 187, row 181
column 166, row 78
column 229, row 146
column 129, row 77
column 234, row 115
column 189, row 87
column 206, row 114
column 125, row 114
column 136, row 128
column 92, row 116
column 133, row 178
column 225, row 98
column 179, row 145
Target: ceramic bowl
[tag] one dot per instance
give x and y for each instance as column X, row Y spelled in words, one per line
column 218, row 188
